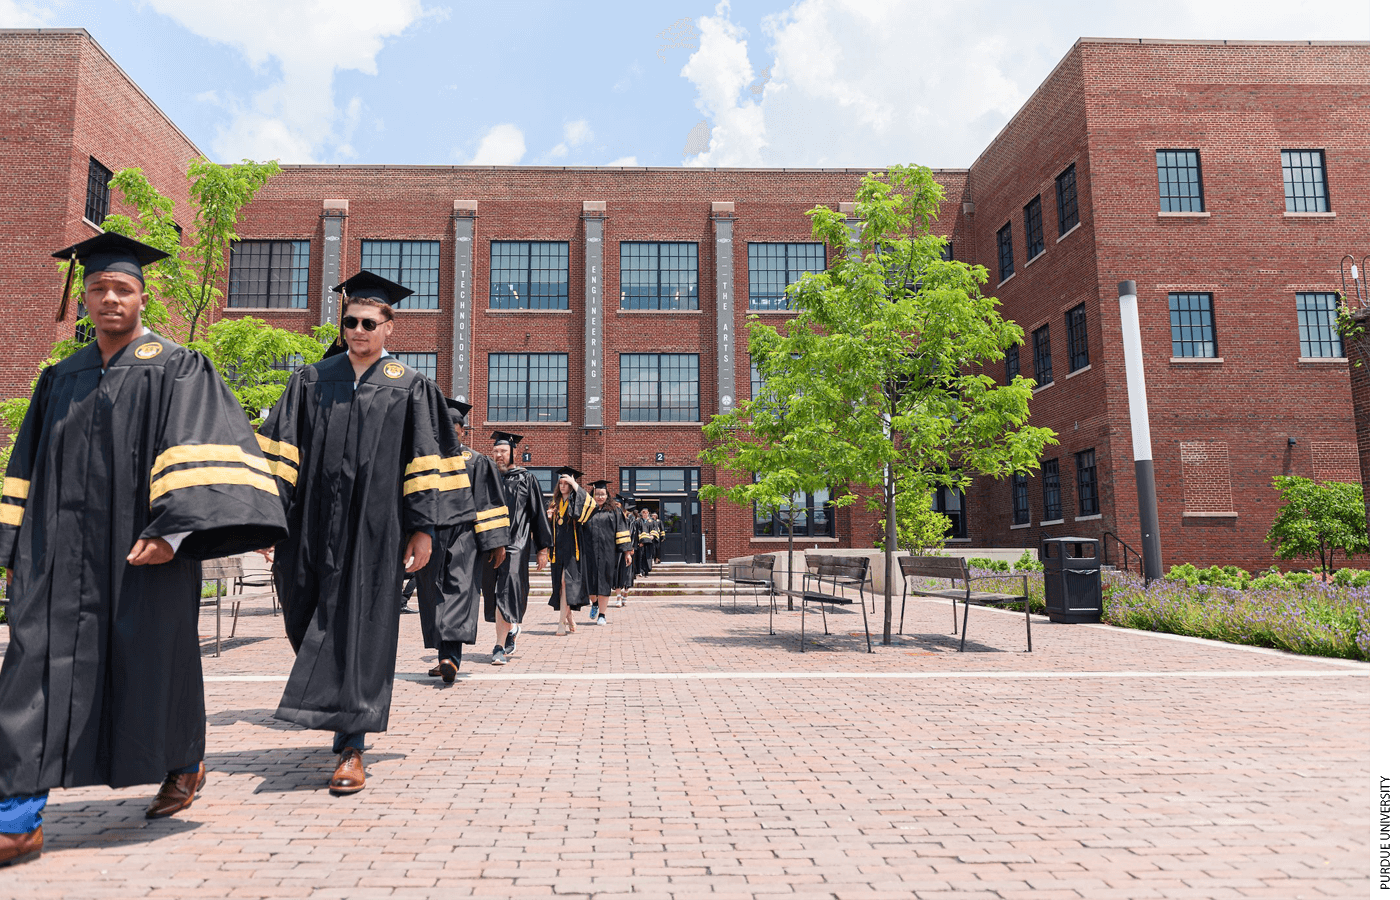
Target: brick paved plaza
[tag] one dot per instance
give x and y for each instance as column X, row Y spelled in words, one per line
column 683, row 752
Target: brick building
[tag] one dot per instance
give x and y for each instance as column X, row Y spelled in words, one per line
column 600, row 311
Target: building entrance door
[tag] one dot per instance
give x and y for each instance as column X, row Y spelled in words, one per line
column 673, row 494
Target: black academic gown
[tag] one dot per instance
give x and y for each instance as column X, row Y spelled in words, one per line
column 362, row 468
column 449, row 587
column 101, row 682
column 625, row 570
column 647, row 537
column 603, row 538
column 568, row 565
column 509, row 585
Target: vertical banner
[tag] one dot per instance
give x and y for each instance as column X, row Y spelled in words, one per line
column 724, row 313
column 593, row 321
column 464, row 218
column 330, row 267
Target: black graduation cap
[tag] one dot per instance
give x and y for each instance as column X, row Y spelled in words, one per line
column 600, row 483
column 108, row 252
column 505, row 437
column 570, row 471
column 369, row 286
column 457, row 410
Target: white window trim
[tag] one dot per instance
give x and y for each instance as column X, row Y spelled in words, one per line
column 1070, row 232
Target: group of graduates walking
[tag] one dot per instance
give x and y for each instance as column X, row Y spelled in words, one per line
column 135, row 462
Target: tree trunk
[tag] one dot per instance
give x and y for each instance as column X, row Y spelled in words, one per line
column 890, row 546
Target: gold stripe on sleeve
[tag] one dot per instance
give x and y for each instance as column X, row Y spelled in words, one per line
column 198, row 453
column 423, row 464
column 454, row 482
column 210, row 475
column 285, row 471
column 493, row 512
column 453, row 463
column 620, row 541
column 588, row 507
column 279, row 448
column 483, row 527
column 622, row 534
column 11, row 514
column 17, row 488
column 421, row 483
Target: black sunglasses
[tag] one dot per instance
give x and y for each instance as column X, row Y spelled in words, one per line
column 349, row 323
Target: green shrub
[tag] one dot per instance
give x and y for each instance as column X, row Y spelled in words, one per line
column 1028, row 563
column 979, row 562
column 1185, row 572
column 1000, row 565
column 1269, row 580
column 1298, row 579
column 1352, row 577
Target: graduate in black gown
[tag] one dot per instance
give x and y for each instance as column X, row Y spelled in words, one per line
column 369, row 471
column 647, row 536
column 627, row 562
column 506, row 589
column 572, row 509
column 134, row 463
column 449, row 586
column 606, row 542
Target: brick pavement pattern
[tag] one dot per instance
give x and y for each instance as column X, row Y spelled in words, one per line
column 682, row 752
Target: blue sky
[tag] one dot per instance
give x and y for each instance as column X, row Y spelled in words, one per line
column 807, row 83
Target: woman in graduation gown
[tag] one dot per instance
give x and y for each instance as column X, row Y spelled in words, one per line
column 606, row 539
column 572, row 510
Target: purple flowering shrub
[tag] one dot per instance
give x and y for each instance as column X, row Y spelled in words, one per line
column 1312, row 618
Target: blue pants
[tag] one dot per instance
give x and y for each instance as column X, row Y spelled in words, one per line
column 345, row 741
column 23, row 814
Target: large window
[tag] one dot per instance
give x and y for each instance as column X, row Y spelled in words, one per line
column 1179, row 181
column 660, row 387
column 1035, row 235
column 660, row 275
column 413, row 264
column 546, row 477
column 1013, row 362
column 529, row 274
column 1077, row 336
column 1040, row 341
column 1317, row 325
column 269, row 274
column 1050, row 489
column 1067, row 200
column 1006, row 262
column 1088, row 480
column 1193, row 324
column 528, row 387
column 421, row 362
column 99, row 195
column 1304, row 181
column 1020, row 500
column 772, row 267
column 812, row 516
column 660, row 480
column 952, row 504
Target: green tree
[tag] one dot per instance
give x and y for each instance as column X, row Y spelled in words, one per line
column 1317, row 519
column 881, row 366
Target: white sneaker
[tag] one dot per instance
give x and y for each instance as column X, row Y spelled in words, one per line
column 602, row 620
column 621, row 601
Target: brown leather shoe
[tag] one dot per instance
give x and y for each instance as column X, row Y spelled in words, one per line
column 448, row 670
column 21, row 848
column 177, row 792
column 435, row 671
column 349, row 774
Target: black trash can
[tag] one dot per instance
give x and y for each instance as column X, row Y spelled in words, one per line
column 1073, row 579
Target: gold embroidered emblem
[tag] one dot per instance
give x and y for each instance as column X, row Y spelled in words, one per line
column 393, row 370
column 148, row 351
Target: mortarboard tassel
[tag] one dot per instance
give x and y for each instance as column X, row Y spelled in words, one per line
column 67, row 290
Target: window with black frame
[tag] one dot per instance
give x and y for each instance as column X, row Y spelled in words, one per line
column 527, row 387
column 421, row 362
column 1020, row 500
column 772, row 267
column 1006, row 261
column 413, row 264
column 660, row 387
column 660, row 275
column 1317, row 325
column 269, row 274
column 529, row 274
column 1088, row 482
column 1035, row 234
column 812, row 516
column 1077, row 338
column 1013, row 362
column 1179, row 181
column 1040, row 344
column 1305, row 181
column 953, row 504
column 1067, row 200
column 99, row 195
column 1050, row 489
column 546, row 477
column 1193, row 324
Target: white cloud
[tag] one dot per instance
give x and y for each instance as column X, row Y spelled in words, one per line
column 854, row 83
column 624, row 161
column 633, row 72
column 17, row 14
column 503, row 145
column 296, row 119
column 575, row 133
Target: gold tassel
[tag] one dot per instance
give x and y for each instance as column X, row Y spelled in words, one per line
column 67, row 290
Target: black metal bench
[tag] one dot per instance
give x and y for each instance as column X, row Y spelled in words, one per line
column 755, row 573
column 826, row 581
column 955, row 570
